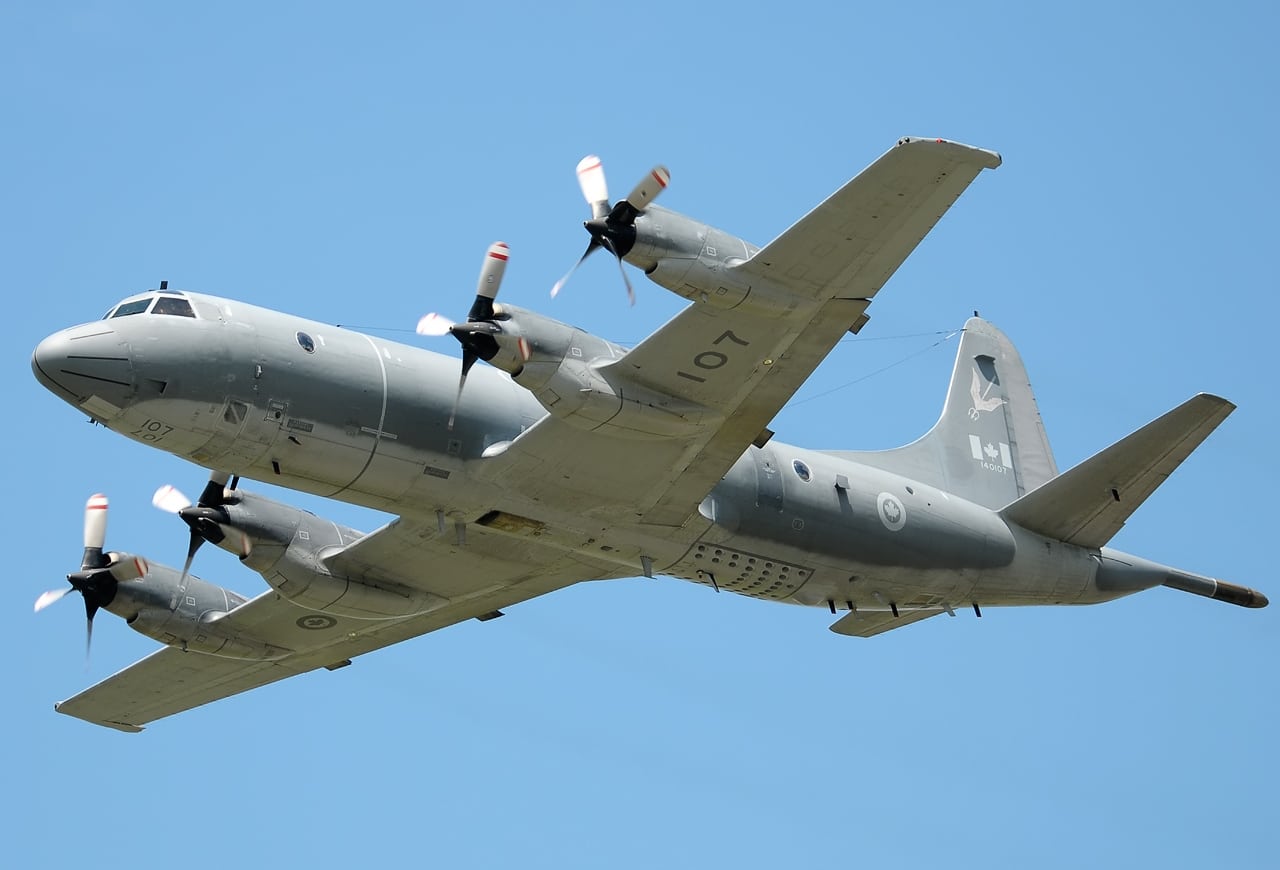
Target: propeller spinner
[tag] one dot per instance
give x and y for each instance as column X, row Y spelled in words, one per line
column 477, row 333
column 100, row 573
column 613, row 227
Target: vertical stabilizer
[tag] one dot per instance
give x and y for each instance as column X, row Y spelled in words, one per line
column 989, row 445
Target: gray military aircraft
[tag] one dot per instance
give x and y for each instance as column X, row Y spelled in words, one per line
column 571, row 458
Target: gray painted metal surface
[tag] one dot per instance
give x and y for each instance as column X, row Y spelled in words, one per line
column 571, row 458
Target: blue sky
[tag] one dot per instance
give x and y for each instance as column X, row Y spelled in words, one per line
column 352, row 165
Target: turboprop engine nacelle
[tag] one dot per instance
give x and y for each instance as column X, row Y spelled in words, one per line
column 571, row 373
column 164, row 604
column 186, row 612
column 289, row 547
column 700, row 263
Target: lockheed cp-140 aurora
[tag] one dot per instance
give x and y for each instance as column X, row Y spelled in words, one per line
column 570, row 458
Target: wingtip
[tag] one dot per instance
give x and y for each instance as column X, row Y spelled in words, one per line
column 126, row 727
column 987, row 158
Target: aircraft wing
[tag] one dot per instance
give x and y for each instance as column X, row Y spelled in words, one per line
column 741, row 365
column 853, row 241
column 475, row 581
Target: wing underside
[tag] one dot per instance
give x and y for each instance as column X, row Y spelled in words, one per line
column 741, row 365
column 170, row 680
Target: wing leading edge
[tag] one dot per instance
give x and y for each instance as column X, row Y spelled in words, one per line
column 743, row 364
column 471, row 586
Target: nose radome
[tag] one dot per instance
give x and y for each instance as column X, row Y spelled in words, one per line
column 87, row 366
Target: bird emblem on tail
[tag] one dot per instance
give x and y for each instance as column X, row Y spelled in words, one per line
column 980, row 401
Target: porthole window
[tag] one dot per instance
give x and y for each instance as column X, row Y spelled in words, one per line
column 305, row 342
column 802, row 470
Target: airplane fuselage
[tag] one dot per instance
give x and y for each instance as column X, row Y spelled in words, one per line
column 333, row 412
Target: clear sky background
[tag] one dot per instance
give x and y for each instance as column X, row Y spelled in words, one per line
column 352, row 164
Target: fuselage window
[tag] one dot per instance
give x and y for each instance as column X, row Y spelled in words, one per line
column 137, row 306
column 173, row 305
column 802, row 470
column 306, row 343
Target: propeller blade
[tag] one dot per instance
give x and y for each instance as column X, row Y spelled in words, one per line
column 435, row 324
column 631, row 294
column 559, row 285
column 50, row 597
column 594, row 188
column 170, row 499
column 95, row 522
column 492, row 270
column 214, row 492
column 469, row 358
column 90, row 608
column 125, row 567
column 246, row 544
column 649, row 187
column 192, row 547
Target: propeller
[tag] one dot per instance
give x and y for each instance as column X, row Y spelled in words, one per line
column 477, row 334
column 613, row 227
column 100, row 573
column 205, row 518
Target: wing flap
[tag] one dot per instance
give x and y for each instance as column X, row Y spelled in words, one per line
column 869, row 623
column 1088, row 504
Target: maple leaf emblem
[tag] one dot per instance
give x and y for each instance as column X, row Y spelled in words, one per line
column 892, row 511
column 991, row 451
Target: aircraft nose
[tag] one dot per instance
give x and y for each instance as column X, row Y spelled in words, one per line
column 87, row 366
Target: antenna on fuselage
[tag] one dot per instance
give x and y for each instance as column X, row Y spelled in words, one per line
column 164, row 285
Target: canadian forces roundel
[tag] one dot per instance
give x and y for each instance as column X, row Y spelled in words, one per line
column 891, row 511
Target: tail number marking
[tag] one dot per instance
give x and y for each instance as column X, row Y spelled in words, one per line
column 710, row 359
column 151, row 430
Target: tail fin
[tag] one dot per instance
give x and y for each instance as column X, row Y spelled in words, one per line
column 989, row 445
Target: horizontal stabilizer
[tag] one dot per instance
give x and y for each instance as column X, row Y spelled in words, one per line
column 869, row 623
column 1087, row 505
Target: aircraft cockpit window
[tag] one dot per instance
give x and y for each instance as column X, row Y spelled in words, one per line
column 137, row 306
column 175, row 305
